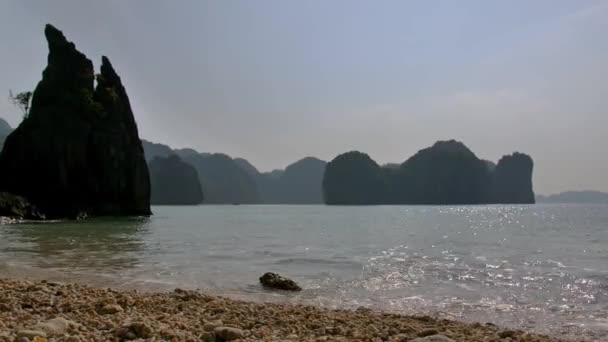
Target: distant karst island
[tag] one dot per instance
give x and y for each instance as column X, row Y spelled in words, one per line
column 446, row 173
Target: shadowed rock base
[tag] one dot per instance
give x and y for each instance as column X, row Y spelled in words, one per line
column 18, row 207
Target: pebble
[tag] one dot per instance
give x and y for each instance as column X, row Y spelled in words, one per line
column 110, row 309
column 210, row 326
column 428, row 332
column 30, row 334
column 507, row 333
column 55, row 326
column 433, row 338
column 228, row 333
column 134, row 330
column 208, row 336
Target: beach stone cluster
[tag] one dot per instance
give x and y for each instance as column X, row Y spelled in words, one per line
column 46, row 311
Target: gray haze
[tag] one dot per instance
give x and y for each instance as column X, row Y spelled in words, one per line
column 274, row 81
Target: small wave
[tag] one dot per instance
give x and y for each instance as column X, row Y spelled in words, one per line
column 466, row 287
column 557, row 263
column 316, row 261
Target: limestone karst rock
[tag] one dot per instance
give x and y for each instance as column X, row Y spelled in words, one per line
column 78, row 151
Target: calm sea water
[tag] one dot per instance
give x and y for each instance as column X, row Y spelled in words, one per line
column 540, row 267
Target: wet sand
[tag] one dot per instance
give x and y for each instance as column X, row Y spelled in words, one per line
column 51, row 311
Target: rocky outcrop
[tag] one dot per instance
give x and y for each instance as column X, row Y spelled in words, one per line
column 78, row 150
column 174, row 182
column 512, row 179
column 277, row 282
column 18, row 207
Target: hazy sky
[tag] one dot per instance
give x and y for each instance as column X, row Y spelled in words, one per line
column 274, row 81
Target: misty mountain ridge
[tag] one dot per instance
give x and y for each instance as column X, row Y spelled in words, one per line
column 227, row 180
column 583, row 196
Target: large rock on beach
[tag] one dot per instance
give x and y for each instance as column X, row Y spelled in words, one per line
column 275, row 281
column 78, row 150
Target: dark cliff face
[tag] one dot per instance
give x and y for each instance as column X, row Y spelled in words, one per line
column 354, row 178
column 79, row 149
column 445, row 173
column 5, row 130
column 174, row 182
column 513, row 179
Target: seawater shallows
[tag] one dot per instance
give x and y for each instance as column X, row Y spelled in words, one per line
column 537, row 267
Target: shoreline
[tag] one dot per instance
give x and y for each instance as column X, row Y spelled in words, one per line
column 74, row 312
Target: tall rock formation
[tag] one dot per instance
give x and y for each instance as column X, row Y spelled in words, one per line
column 512, row 181
column 78, row 151
column 174, row 182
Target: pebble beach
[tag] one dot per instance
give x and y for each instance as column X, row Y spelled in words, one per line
column 41, row 311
